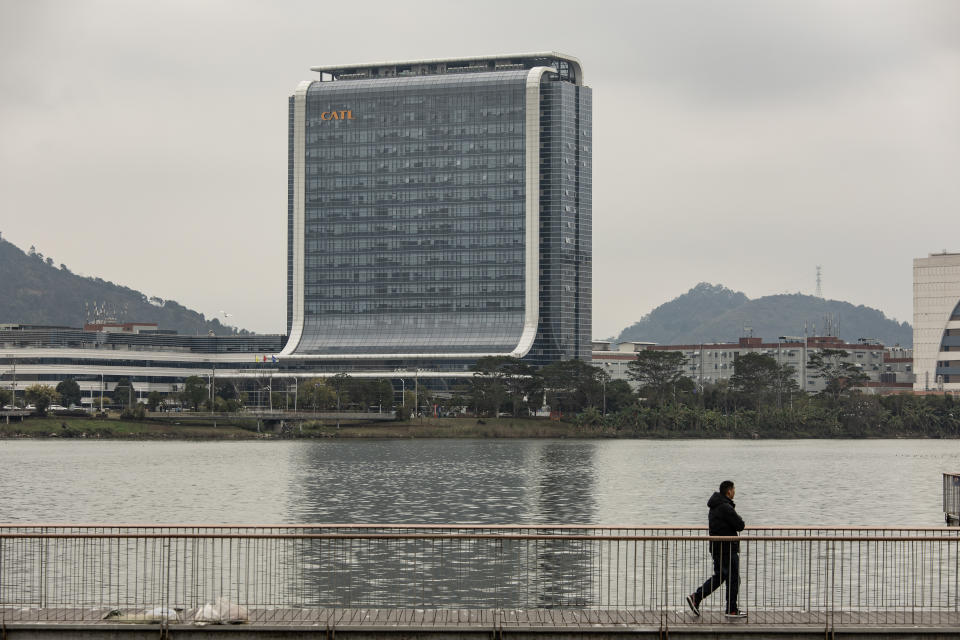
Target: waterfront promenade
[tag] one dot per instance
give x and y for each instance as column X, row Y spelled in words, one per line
column 489, row 624
column 471, row 581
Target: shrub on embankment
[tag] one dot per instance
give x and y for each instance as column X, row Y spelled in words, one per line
column 852, row 416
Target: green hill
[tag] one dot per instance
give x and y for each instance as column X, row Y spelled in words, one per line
column 34, row 291
column 713, row 313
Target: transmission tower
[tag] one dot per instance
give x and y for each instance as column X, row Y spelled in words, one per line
column 819, row 289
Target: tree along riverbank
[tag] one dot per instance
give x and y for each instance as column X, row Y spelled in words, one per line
column 670, row 422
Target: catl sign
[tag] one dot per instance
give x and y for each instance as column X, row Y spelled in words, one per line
column 337, row 115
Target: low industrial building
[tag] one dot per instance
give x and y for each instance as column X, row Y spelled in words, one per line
column 152, row 360
column 99, row 356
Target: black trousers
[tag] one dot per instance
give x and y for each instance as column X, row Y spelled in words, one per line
column 726, row 568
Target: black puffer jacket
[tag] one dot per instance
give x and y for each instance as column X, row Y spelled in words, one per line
column 724, row 521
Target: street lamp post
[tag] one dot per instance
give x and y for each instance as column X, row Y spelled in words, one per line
column 296, row 389
column 338, row 403
column 603, row 384
column 13, row 396
column 701, row 374
column 804, row 387
column 403, row 389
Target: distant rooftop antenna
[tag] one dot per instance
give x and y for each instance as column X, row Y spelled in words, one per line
column 104, row 312
column 819, row 288
column 747, row 331
column 831, row 324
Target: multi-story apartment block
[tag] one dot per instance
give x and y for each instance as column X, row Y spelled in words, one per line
column 710, row 363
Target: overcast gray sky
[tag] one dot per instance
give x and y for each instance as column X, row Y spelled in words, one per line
column 736, row 142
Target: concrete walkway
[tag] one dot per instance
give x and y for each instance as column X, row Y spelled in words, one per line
column 32, row 623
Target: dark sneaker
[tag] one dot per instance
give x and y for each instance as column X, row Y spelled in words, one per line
column 736, row 613
column 692, row 603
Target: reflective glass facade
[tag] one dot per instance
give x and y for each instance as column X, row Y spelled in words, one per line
column 409, row 217
column 565, row 223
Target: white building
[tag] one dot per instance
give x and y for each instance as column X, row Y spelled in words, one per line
column 887, row 369
column 936, row 322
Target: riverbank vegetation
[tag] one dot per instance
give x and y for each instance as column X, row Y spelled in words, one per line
column 760, row 400
column 508, row 398
column 865, row 417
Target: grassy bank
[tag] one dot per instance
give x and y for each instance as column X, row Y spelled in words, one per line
column 741, row 426
column 457, row 428
column 114, row 427
column 69, row 427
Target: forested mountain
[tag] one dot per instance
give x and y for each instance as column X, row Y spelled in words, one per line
column 713, row 313
column 35, row 291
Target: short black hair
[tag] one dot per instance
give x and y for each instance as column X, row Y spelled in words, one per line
column 726, row 484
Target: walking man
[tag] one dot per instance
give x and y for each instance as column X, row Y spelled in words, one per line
column 724, row 521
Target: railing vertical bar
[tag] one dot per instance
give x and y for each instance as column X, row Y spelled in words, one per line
column 43, row 572
column 666, row 592
column 4, row 592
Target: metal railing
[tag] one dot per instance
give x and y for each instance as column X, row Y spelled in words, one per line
column 789, row 575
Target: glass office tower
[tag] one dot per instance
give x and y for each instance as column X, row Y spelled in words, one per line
column 440, row 211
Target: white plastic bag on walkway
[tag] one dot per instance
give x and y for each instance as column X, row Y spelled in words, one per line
column 147, row 616
column 221, row 611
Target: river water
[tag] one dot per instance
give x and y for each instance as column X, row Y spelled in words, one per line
column 627, row 482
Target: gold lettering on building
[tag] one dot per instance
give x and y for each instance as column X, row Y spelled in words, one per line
column 346, row 114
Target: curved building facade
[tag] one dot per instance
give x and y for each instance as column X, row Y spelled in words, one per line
column 440, row 211
column 151, row 361
column 936, row 322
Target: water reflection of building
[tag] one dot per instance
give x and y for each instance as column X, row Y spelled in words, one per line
column 445, row 482
column 565, row 494
column 566, row 482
